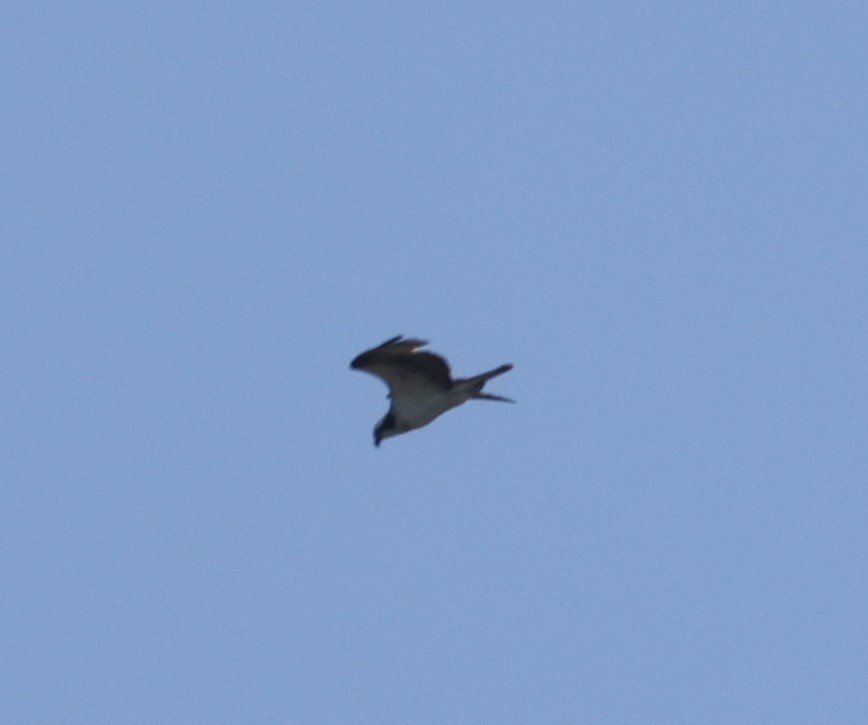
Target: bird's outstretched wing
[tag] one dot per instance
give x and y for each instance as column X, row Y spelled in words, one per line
column 401, row 366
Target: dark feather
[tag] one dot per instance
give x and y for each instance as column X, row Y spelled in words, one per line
column 398, row 360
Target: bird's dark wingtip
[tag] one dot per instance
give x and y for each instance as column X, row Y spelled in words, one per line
column 360, row 360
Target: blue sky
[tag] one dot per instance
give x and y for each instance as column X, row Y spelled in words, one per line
column 657, row 212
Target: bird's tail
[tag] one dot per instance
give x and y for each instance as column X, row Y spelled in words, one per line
column 477, row 381
column 490, row 396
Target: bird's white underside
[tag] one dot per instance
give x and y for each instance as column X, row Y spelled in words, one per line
column 417, row 405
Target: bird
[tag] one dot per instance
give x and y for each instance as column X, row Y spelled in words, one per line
column 421, row 386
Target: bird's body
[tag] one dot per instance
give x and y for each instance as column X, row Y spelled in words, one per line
column 421, row 386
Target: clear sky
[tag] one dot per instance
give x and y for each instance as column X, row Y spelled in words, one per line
column 656, row 211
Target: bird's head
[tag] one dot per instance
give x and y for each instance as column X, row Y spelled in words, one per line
column 385, row 428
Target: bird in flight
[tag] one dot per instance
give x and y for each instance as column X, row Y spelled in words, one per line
column 421, row 386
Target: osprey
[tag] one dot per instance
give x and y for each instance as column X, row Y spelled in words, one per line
column 420, row 385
